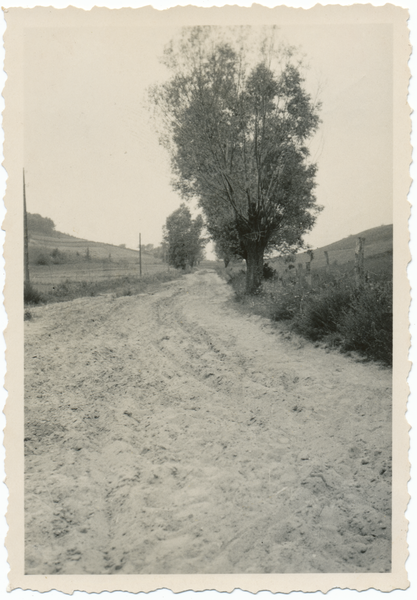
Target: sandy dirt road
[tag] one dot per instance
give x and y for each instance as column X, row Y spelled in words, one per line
column 170, row 433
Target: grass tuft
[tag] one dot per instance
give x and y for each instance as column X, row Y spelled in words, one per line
column 120, row 286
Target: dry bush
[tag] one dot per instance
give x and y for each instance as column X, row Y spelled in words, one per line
column 367, row 326
column 31, row 295
column 268, row 272
column 237, row 279
column 58, row 257
column 42, row 259
column 321, row 311
column 284, row 300
column 336, row 311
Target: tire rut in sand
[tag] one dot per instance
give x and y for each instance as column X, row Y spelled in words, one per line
column 171, row 434
column 205, row 357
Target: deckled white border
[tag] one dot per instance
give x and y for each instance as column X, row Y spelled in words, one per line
column 411, row 5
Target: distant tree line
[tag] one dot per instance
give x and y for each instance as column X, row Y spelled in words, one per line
column 39, row 224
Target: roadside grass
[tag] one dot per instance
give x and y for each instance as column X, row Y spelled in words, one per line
column 334, row 311
column 120, row 286
column 31, row 295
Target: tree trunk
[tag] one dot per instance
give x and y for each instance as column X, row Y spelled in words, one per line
column 254, row 267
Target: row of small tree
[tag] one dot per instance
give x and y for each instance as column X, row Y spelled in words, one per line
column 236, row 118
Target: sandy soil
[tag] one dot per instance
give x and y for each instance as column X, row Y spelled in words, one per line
column 170, row 433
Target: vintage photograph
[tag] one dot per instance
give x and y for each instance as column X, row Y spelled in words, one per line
column 207, row 241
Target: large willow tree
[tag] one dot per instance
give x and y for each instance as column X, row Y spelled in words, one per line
column 236, row 118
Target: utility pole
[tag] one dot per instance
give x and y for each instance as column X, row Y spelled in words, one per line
column 26, row 237
column 140, row 256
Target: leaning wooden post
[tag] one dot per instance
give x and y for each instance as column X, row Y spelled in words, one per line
column 359, row 261
column 26, row 236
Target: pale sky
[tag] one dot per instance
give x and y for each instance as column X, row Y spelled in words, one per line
column 92, row 159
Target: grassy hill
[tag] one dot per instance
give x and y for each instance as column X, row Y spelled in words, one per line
column 58, row 257
column 74, row 247
column 378, row 253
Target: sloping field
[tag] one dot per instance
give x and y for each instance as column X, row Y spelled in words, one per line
column 378, row 252
column 68, row 258
column 71, row 245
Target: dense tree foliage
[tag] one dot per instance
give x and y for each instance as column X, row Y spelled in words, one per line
column 161, row 252
column 236, row 118
column 39, row 224
column 182, row 235
column 227, row 244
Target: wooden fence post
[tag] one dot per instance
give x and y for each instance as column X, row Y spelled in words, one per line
column 326, row 254
column 359, row 260
column 300, row 274
column 309, row 278
column 308, row 273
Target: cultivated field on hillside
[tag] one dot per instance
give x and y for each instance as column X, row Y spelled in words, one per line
column 59, row 258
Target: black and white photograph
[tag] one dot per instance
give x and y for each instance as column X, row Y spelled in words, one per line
column 211, row 237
